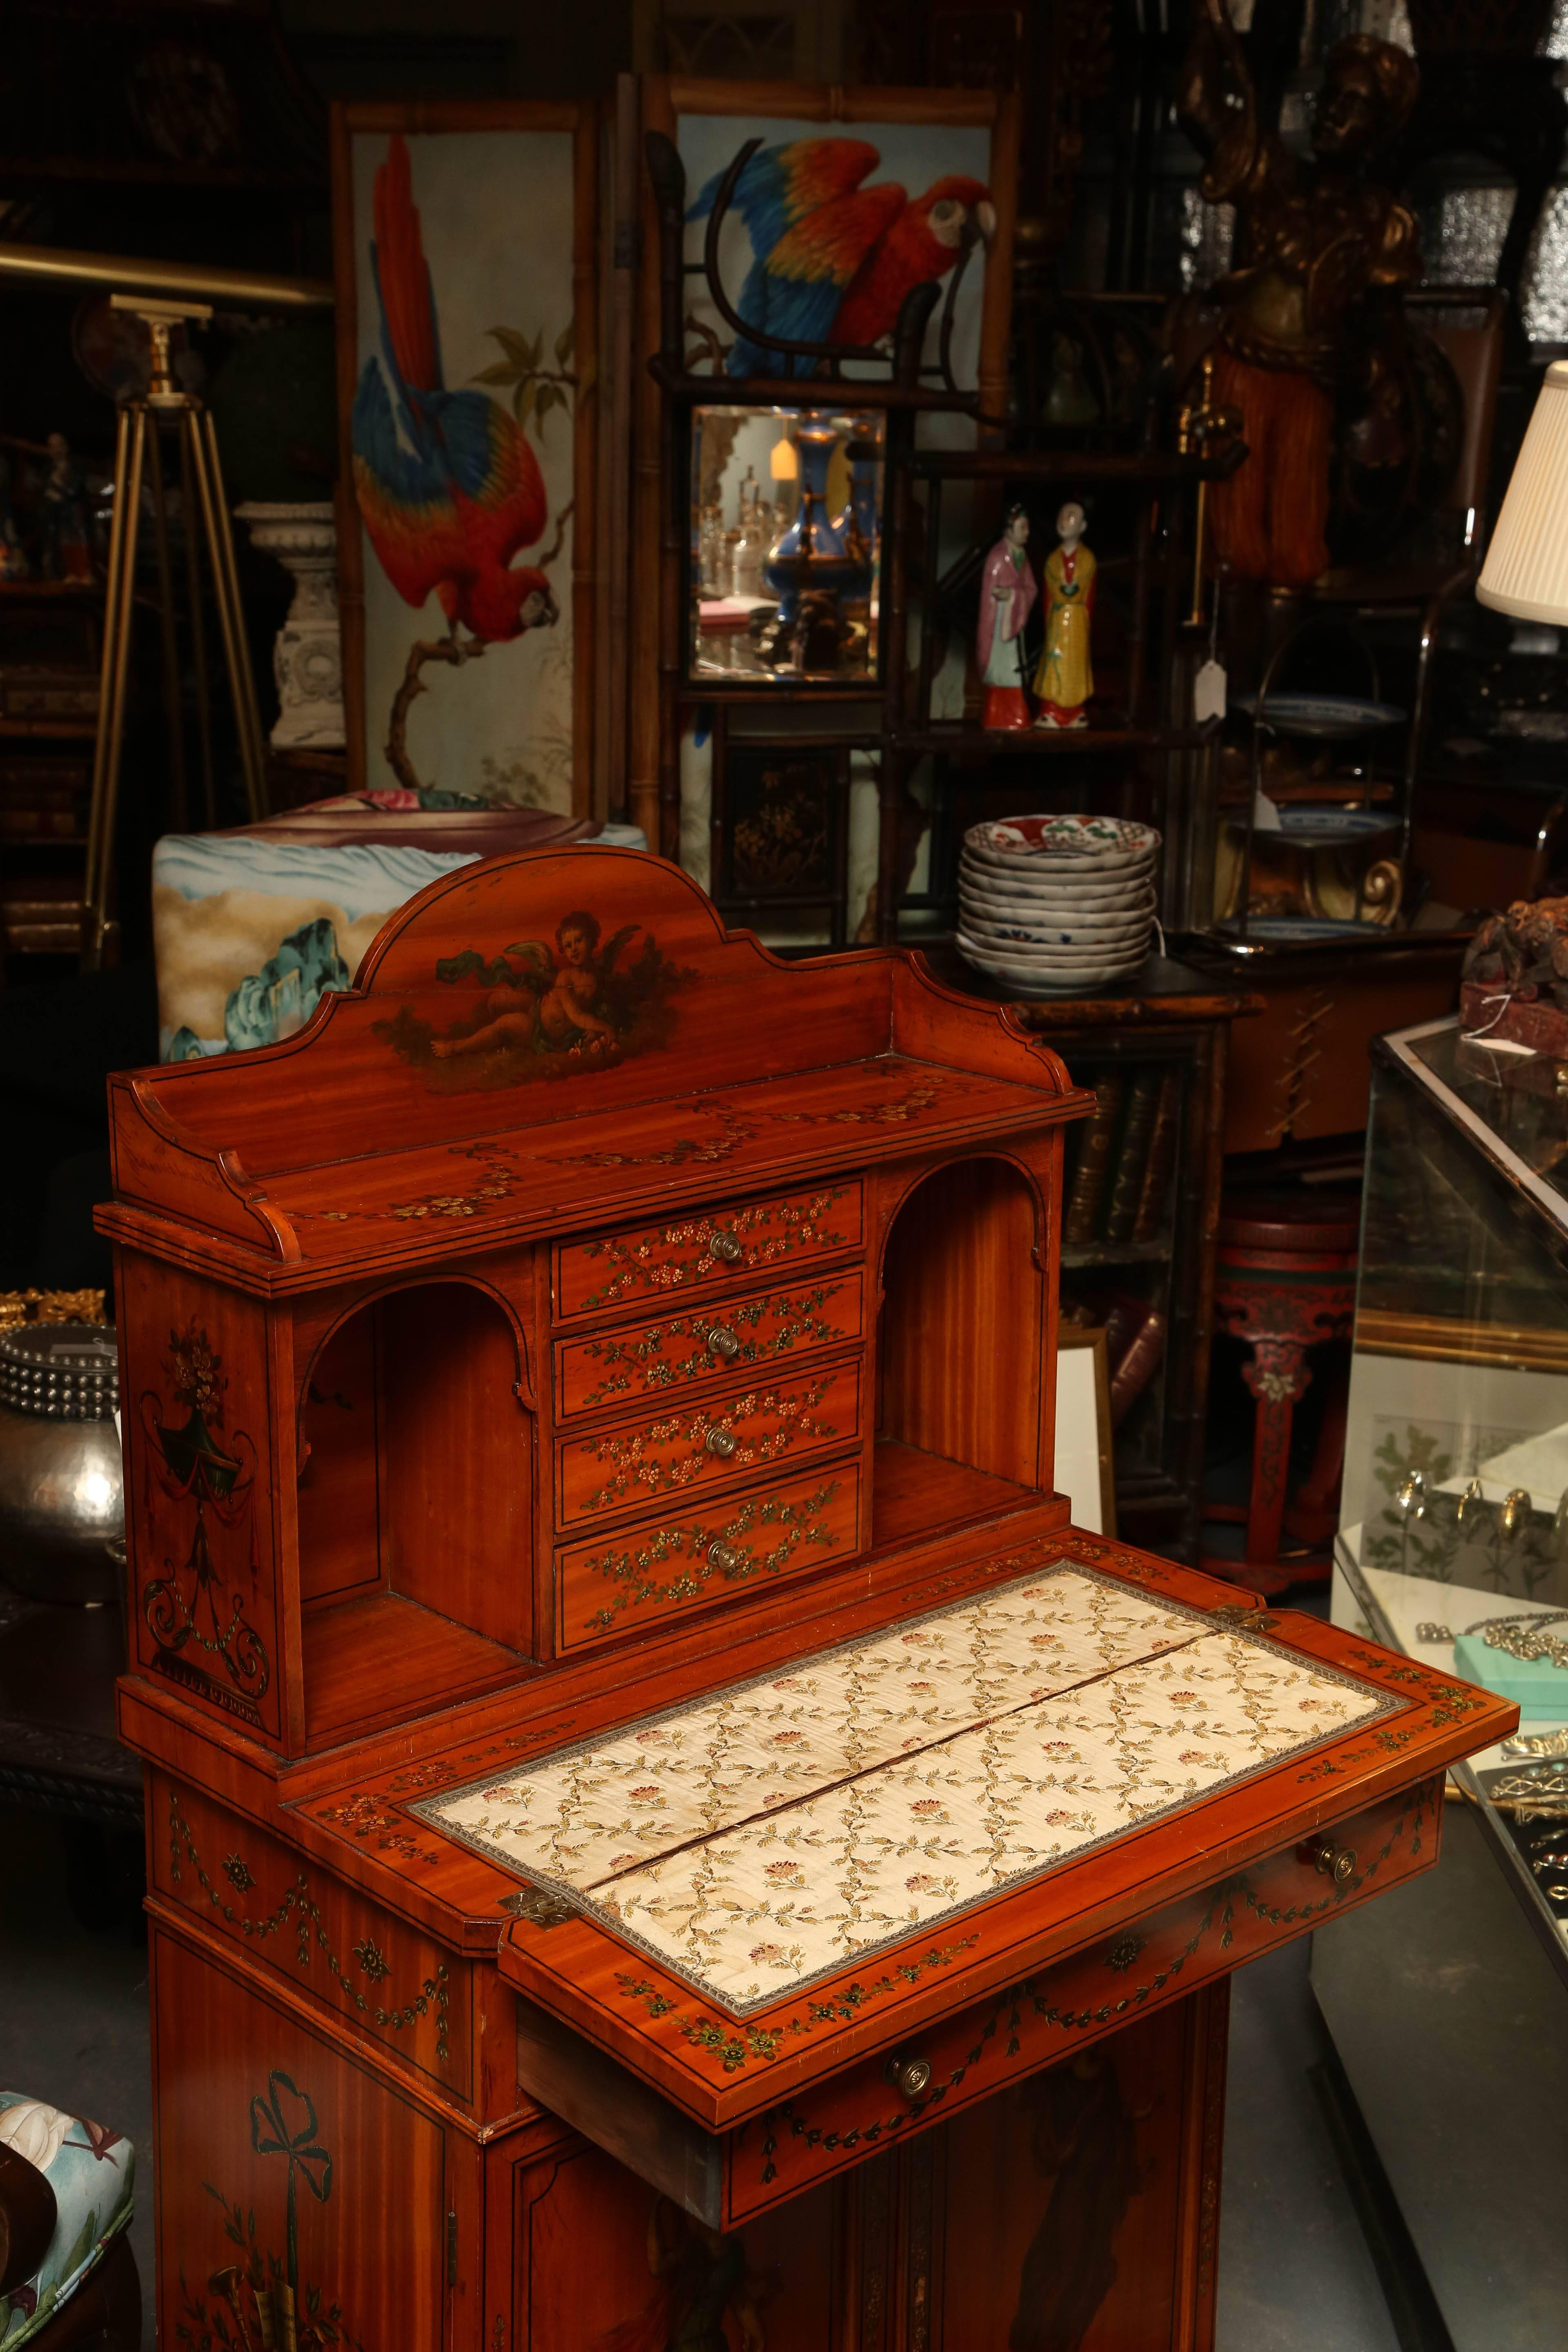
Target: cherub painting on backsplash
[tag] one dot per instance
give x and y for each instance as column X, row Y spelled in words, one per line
column 542, row 1009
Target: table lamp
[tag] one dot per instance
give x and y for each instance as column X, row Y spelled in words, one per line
column 1526, row 570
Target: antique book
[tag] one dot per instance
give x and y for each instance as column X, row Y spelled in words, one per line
column 1138, row 1366
column 43, row 691
column 1160, row 1161
column 1133, row 1157
column 1082, row 1218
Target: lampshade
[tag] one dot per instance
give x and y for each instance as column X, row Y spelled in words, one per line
column 783, row 464
column 1526, row 570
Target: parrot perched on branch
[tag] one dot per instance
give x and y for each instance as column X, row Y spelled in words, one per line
column 834, row 260
column 448, row 486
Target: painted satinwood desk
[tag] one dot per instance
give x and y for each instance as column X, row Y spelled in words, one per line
column 661, row 1835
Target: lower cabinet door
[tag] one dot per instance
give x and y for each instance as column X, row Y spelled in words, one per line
column 304, row 2196
column 602, row 2263
column 1073, row 2211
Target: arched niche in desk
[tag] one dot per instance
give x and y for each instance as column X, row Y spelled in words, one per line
column 602, row 1141
column 961, row 1376
column 415, row 1503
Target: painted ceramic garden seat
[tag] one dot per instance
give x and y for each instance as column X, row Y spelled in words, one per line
column 68, row 2276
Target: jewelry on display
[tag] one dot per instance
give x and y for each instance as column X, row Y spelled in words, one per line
column 1537, row 1743
column 1534, row 1784
column 1560, row 1526
column 1524, row 1638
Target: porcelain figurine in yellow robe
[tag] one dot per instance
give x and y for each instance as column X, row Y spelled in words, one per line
column 1065, row 680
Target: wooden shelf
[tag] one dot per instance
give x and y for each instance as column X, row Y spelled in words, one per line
column 383, row 1655
column 1146, row 466
column 1057, row 741
column 1154, row 1252
column 47, row 591
column 135, row 171
column 913, row 1492
column 762, row 692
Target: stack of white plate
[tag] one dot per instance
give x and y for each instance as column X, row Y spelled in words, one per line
column 1056, row 902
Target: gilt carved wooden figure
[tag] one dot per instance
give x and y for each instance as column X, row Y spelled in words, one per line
column 661, row 1832
column 1315, row 243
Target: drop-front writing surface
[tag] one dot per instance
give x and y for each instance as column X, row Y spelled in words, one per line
column 584, row 1325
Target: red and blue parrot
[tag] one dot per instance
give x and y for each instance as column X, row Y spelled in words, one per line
column 834, row 260
column 446, row 483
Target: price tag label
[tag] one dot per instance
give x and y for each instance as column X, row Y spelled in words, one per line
column 1208, row 692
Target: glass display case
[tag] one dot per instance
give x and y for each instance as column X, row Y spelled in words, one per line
column 785, row 546
column 1454, row 1537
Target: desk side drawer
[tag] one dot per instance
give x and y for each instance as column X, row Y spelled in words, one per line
column 649, row 1362
column 605, row 1473
column 398, row 1986
column 621, row 1582
column 1047, row 2015
column 735, row 1242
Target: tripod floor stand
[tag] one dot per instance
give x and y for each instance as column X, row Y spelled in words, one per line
column 139, row 458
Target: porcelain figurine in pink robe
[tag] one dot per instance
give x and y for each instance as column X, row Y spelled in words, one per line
column 1007, row 593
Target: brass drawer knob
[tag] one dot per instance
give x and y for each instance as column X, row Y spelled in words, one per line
column 724, row 1341
column 726, row 1246
column 721, row 1441
column 908, row 2074
column 1335, row 1862
column 725, row 1557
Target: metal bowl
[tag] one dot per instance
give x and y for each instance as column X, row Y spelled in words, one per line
column 61, row 1499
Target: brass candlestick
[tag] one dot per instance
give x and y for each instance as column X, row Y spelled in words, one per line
column 1199, row 424
column 137, row 452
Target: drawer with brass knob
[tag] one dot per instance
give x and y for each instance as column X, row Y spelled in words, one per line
column 602, row 1473
column 697, row 1551
column 665, row 1357
column 653, row 1265
column 1331, row 1860
column 908, row 2074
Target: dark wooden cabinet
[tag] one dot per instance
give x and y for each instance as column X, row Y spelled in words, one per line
column 645, row 1842
column 1165, row 1038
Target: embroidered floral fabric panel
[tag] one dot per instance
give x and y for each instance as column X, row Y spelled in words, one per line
column 787, row 1826
column 597, row 1809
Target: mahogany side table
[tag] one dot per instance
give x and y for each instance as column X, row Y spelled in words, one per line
column 1284, row 1283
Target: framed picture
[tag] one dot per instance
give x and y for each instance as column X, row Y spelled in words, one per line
column 780, row 828
column 465, row 259
column 1085, row 1471
column 851, row 197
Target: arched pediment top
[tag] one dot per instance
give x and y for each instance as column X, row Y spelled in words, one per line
column 567, row 1030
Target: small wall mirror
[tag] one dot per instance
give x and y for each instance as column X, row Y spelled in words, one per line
column 786, row 541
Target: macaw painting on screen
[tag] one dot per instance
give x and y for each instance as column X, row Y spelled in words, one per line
column 463, row 448
column 829, row 228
